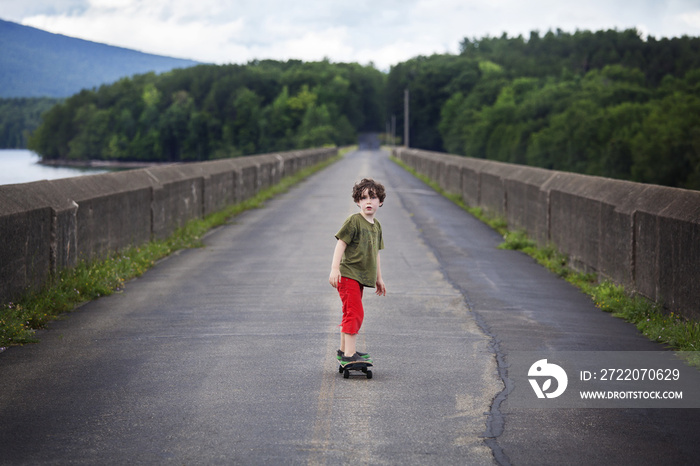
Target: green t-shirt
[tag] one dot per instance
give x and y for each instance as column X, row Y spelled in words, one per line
column 364, row 240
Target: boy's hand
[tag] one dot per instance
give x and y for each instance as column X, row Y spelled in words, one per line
column 381, row 288
column 334, row 278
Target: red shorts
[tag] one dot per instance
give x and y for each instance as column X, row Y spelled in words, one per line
column 350, row 292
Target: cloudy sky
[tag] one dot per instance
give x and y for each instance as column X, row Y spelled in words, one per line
column 383, row 32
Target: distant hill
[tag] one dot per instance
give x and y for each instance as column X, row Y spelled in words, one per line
column 36, row 63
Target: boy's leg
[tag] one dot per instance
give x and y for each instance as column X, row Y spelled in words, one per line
column 350, row 347
column 341, row 351
column 353, row 314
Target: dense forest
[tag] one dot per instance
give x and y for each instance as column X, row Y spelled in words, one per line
column 18, row 117
column 606, row 103
column 210, row 111
column 602, row 103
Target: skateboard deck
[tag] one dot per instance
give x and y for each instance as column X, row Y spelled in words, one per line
column 359, row 366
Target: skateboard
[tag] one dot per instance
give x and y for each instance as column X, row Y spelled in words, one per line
column 359, row 366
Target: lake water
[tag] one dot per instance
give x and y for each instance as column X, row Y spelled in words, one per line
column 21, row 166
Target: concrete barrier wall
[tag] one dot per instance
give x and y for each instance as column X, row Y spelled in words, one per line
column 645, row 237
column 47, row 226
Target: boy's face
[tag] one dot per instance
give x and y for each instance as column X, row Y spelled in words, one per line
column 368, row 204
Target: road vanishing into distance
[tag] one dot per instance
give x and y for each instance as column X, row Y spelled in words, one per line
column 226, row 354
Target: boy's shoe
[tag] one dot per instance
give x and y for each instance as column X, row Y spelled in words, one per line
column 362, row 355
column 354, row 358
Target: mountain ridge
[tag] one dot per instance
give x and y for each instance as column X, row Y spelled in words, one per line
column 37, row 63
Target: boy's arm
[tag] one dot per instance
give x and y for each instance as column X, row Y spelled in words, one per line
column 335, row 265
column 381, row 287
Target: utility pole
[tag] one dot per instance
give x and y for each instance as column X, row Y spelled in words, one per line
column 393, row 131
column 405, row 118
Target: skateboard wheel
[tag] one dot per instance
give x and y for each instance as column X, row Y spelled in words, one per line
column 346, row 374
column 340, row 369
column 369, row 374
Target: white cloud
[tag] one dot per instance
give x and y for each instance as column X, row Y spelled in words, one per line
column 384, row 32
column 691, row 19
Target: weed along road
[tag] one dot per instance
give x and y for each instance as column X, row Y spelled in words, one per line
column 226, row 354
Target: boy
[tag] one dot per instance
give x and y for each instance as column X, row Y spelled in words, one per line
column 356, row 264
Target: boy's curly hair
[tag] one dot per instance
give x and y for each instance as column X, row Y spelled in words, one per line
column 375, row 189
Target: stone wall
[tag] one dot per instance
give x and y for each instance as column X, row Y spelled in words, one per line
column 645, row 237
column 47, row 226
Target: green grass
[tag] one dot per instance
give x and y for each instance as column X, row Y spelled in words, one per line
column 677, row 332
column 88, row 281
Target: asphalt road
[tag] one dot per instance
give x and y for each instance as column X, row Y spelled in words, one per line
column 226, row 354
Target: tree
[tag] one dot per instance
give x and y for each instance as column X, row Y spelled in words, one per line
column 667, row 148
